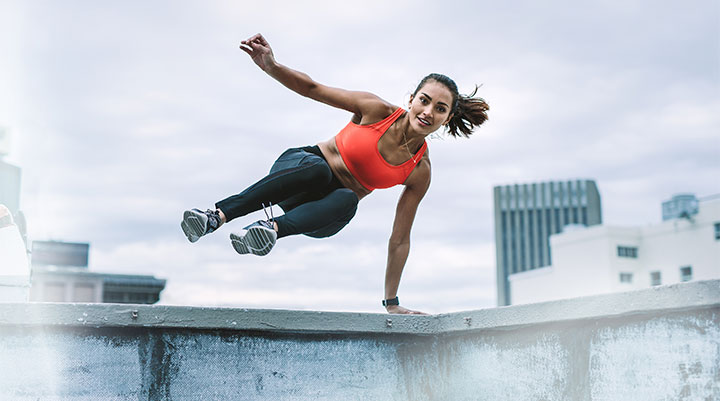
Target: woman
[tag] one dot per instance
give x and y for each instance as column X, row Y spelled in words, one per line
column 319, row 186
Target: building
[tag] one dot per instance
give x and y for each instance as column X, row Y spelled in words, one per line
column 14, row 266
column 681, row 205
column 606, row 259
column 9, row 176
column 9, row 186
column 526, row 215
column 60, row 274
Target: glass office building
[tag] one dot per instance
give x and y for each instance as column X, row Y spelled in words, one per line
column 526, row 215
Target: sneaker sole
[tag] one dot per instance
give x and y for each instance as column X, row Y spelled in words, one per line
column 188, row 232
column 238, row 244
column 257, row 240
column 194, row 225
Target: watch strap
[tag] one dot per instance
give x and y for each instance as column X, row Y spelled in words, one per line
column 392, row 301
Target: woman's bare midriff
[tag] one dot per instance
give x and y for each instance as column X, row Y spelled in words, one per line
column 339, row 168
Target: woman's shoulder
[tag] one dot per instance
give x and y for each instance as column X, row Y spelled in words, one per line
column 374, row 110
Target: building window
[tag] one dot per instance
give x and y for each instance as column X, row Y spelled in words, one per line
column 531, row 240
column 686, row 273
column 627, row 251
column 558, row 227
column 114, row 297
column 655, row 278
column 717, row 231
column 84, row 292
column 513, row 243
column 504, row 218
column 539, row 238
column 626, row 278
column 523, row 263
column 54, row 292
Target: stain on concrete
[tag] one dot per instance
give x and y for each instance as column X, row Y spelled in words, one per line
column 160, row 362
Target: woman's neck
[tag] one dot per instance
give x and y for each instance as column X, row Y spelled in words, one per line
column 408, row 136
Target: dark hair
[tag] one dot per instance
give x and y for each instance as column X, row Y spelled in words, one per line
column 467, row 112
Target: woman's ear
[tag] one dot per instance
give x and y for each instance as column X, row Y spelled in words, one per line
column 448, row 119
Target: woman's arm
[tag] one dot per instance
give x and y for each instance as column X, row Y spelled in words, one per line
column 359, row 103
column 399, row 244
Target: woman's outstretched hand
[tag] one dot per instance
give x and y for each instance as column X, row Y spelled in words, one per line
column 399, row 310
column 259, row 50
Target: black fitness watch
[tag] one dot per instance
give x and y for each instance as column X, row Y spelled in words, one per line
column 392, row 301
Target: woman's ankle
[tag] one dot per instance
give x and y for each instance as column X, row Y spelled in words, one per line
column 223, row 219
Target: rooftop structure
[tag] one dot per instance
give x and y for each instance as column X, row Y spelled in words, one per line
column 652, row 344
column 680, row 206
column 60, row 274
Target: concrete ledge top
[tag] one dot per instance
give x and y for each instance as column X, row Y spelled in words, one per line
column 690, row 295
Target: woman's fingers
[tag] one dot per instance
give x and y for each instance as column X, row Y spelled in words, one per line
column 261, row 40
column 252, row 38
column 257, row 38
column 254, row 43
column 246, row 49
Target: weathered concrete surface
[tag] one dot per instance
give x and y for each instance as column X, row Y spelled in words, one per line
column 656, row 344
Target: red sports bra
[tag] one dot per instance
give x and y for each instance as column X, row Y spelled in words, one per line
column 358, row 147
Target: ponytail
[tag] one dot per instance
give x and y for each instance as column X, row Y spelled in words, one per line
column 470, row 112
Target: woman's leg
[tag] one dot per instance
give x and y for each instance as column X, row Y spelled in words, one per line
column 294, row 172
column 319, row 218
column 316, row 218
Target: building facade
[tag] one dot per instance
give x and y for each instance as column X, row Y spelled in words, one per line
column 60, row 274
column 10, row 186
column 9, row 176
column 606, row 259
column 526, row 215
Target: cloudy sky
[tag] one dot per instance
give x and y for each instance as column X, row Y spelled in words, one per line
column 124, row 114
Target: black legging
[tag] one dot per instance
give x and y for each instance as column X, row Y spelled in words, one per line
column 300, row 181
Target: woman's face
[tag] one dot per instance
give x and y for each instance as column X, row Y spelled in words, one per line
column 430, row 107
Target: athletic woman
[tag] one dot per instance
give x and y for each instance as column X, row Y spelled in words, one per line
column 319, row 186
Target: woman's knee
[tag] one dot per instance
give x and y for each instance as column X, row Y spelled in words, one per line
column 344, row 204
column 333, row 212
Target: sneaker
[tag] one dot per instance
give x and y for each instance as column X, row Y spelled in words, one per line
column 197, row 223
column 258, row 239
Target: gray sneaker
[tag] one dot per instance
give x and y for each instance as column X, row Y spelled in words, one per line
column 259, row 239
column 197, row 223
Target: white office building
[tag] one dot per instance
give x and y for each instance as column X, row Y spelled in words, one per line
column 604, row 259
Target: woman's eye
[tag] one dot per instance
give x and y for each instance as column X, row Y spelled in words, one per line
column 423, row 100
column 441, row 109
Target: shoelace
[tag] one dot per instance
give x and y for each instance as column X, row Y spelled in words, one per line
column 214, row 222
column 270, row 217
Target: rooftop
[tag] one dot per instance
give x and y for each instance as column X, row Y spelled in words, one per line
column 658, row 343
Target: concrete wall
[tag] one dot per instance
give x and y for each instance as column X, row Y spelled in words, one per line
column 661, row 343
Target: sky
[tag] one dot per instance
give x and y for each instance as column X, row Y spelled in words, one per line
column 124, row 114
